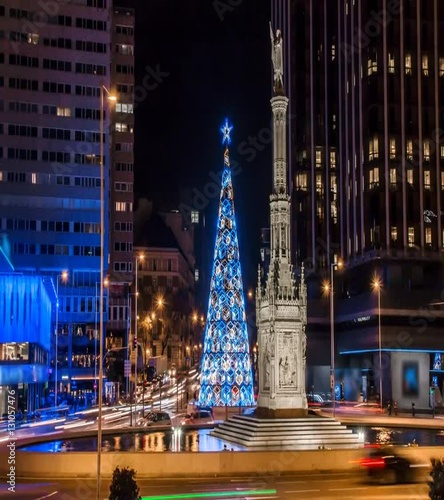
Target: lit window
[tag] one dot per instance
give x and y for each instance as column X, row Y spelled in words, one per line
column 319, row 187
column 33, row 178
column 333, row 52
column 411, row 236
column 394, row 233
column 334, row 212
column 373, row 177
column 1, row 176
column 124, row 108
column 410, row 176
column 442, row 181
column 320, row 209
column 426, row 179
column 63, row 111
column 408, row 64
column 428, row 235
column 392, row 149
column 391, row 63
column 441, row 66
column 333, row 185
column 318, row 157
column 334, row 122
column 373, row 150
column 372, row 65
column 194, row 217
column 393, row 177
column 442, row 152
column 301, row 181
column 333, row 159
column 425, row 65
column 33, row 38
column 409, row 149
column 426, row 150
column 196, row 275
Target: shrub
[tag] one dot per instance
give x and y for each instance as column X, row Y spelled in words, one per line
column 436, row 485
column 123, row 485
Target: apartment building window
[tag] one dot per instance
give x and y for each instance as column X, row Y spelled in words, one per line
column 373, row 149
column 124, row 88
column 124, row 108
column 87, row 91
column 90, row 69
column 122, row 206
column 333, row 52
column 320, row 210
column 442, row 152
column 372, row 65
column 61, row 43
column 123, row 246
column 124, row 30
column 22, row 130
column 425, row 65
column 23, row 84
column 301, row 181
column 85, row 46
column 410, row 176
column 426, row 150
column 125, row 49
column 22, row 154
column 123, row 127
column 88, row 159
column 56, row 133
column 333, row 185
column 90, row 24
column 318, row 158
column 58, row 156
column 408, row 64
column 392, row 148
column 409, row 149
column 27, row 61
column 442, row 181
column 427, row 179
column 123, row 186
column 194, row 216
column 23, row 107
column 125, row 69
column 57, row 88
column 333, row 159
column 428, row 236
column 87, row 113
column 33, row 178
column 123, row 227
column 373, row 179
column 124, row 146
column 441, row 66
column 391, row 63
column 393, row 178
column 49, row 110
column 411, row 236
column 124, row 167
column 393, row 233
column 56, row 65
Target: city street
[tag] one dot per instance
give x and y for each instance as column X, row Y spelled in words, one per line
column 313, row 486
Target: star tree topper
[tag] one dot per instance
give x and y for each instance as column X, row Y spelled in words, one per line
column 226, row 131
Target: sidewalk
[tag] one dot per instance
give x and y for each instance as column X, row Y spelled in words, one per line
column 400, row 420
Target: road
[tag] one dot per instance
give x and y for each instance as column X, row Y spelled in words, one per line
column 300, row 487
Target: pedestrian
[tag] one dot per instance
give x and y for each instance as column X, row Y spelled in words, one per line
column 389, row 408
column 395, row 408
column 413, row 409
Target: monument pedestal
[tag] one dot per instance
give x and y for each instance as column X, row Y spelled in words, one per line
column 278, row 413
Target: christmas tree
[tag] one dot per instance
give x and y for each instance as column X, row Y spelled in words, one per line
column 226, row 377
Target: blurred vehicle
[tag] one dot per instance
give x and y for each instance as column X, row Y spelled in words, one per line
column 386, row 466
column 315, row 400
column 155, row 418
column 198, row 417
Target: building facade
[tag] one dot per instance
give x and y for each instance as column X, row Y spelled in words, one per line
column 366, row 86
column 54, row 64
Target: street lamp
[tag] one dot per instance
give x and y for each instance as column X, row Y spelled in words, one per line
column 64, row 277
column 377, row 285
column 330, row 288
column 103, row 91
column 139, row 258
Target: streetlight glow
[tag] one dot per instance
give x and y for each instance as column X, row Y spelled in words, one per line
column 377, row 285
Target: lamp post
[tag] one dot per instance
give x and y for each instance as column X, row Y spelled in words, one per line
column 103, row 91
column 331, row 287
column 139, row 258
column 377, row 286
column 64, row 277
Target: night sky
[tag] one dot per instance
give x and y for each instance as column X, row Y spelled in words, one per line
column 212, row 61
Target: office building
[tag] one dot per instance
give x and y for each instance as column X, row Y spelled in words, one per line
column 366, row 83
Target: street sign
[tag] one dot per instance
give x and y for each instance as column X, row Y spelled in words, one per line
column 127, row 368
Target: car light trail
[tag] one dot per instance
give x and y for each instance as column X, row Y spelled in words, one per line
column 219, row 494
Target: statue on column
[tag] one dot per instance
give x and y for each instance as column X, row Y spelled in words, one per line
column 277, row 58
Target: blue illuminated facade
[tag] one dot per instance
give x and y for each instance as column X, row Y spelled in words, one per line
column 25, row 340
column 226, row 374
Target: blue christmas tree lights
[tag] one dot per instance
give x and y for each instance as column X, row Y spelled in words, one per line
column 226, row 376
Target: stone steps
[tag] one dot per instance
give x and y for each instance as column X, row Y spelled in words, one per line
column 297, row 433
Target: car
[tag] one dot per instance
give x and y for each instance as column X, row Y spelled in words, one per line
column 198, row 417
column 315, row 400
column 386, row 466
column 155, row 418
